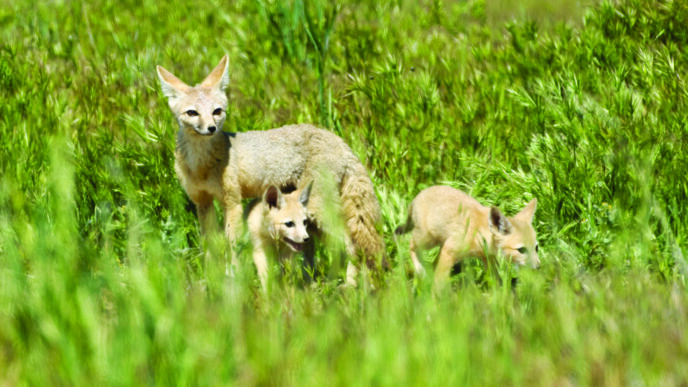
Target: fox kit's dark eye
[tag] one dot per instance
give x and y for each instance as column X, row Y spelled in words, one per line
column 217, row 112
column 289, row 224
column 537, row 248
column 522, row 250
column 191, row 113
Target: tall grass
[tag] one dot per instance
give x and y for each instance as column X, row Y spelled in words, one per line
column 102, row 277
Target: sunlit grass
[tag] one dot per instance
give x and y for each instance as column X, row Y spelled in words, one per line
column 103, row 279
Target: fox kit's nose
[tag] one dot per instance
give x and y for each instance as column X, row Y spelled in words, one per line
column 536, row 264
column 212, row 129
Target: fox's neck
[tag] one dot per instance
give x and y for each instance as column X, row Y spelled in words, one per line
column 202, row 152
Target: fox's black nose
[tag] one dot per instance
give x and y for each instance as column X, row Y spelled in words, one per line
column 212, row 129
column 306, row 239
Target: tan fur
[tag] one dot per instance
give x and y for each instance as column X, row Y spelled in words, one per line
column 444, row 216
column 229, row 167
column 278, row 227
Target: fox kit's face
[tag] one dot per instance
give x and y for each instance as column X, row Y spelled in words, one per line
column 287, row 215
column 515, row 237
column 200, row 109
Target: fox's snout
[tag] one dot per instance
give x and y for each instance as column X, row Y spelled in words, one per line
column 205, row 127
column 297, row 242
column 535, row 264
column 303, row 238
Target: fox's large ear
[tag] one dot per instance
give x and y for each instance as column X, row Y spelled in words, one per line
column 219, row 77
column 306, row 194
column 171, row 85
column 273, row 197
column 528, row 211
column 498, row 222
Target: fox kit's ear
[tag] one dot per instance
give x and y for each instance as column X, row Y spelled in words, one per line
column 528, row 211
column 219, row 77
column 273, row 197
column 306, row 194
column 498, row 222
column 171, row 85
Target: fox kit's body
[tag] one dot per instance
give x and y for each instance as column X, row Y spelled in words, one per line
column 446, row 217
column 278, row 227
column 214, row 165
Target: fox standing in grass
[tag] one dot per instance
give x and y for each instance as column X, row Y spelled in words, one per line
column 444, row 216
column 228, row 167
column 278, row 225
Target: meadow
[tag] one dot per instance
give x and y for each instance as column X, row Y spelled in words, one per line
column 583, row 106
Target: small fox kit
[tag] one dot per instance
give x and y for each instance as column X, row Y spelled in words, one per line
column 278, row 227
column 444, row 216
column 228, row 167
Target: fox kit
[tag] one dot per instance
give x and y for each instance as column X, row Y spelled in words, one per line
column 278, row 227
column 228, row 167
column 444, row 216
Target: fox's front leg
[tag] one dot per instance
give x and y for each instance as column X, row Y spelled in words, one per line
column 445, row 262
column 417, row 266
column 206, row 213
column 261, row 262
column 233, row 222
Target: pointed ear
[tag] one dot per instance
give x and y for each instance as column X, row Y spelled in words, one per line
column 171, row 85
column 528, row 211
column 306, row 194
column 498, row 222
column 273, row 197
column 219, row 77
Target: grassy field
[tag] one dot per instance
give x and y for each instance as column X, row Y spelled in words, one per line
column 582, row 105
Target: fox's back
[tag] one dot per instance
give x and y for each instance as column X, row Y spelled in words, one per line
column 442, row 211
column 281, row 156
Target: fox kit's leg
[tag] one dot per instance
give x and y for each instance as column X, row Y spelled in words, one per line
column 351, row 275
column 261, row 261
column 445, row 262
column 417, row 266
column 309, row 257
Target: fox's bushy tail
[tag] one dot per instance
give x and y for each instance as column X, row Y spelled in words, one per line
column 361, row 212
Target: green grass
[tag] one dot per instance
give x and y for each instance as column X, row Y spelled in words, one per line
column 103, row 281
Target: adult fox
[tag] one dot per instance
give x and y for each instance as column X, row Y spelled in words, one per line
column 228, row 167
column 444, row 216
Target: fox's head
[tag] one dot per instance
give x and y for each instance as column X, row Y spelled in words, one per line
column 199, row 109
column 287, row 215
column 515, row 237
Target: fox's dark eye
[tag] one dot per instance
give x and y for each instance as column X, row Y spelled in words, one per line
column 522, row 250
column 289, row 224
column 537, row 248
column 191, row 113
column 217, row 111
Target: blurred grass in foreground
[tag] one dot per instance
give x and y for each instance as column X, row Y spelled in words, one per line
column 101, row 276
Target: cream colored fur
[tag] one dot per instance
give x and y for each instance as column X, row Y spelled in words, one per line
column 278, row 227
column 446, row 217
column 228, row 167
